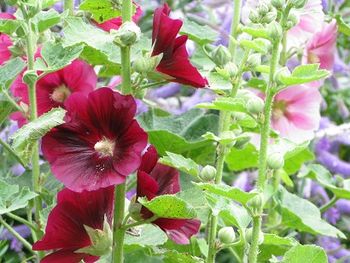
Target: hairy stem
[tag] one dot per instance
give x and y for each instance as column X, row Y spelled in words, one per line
column 234, row 27
column 264, row 142
column 69, row 5
column 119, row 204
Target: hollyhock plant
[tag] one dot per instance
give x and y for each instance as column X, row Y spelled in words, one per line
column 5, row 41
column 155, row 179
column 53, row 89
column 116, row 22
column 321, row 48
column 296, row 112
column 73, row 225
column 175, row 63
column 99, row 145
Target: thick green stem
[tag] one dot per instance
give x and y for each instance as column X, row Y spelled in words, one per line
column 25, row 243
column 234, row 27
column 119, row 203
column 69, row 5
column 264, row 142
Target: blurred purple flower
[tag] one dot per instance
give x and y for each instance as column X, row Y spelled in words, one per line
column 335, row 251
column 16, row 245
column 245, row 181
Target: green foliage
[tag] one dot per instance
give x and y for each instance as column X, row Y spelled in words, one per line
column 9, row 26
column 301, row 214
column 13, row 198
column 46, row 19
column 181, row 163
column 10, row 70
column 169, row 206
column 225, row 104
column 176, row 257
column 23, row 140
column 305, row 253
column 343, row 27
column 201, row 34
column 259, row 45
column 101, row 10
column 241, row 159
column 150, row 235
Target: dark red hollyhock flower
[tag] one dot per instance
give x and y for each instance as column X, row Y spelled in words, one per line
column 99, row 145
column 53, row 89
column 115, row 23
column 154, row 179
column 5, row 41
column 66, row 226
column 175, row 62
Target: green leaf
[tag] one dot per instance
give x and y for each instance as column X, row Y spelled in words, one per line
column 305, row 253
column 46, row 19
column 241, row 159
column 181, row 134
column 13, row 198
column 259, row 45
column 176, row 257
column 56, row 56
column 303, row 215
column 6, row 108
column 149, row 235
column 10, row 70
column 294, row 160
column 325, row 178
column 25, row 138
column 227, row 191
column 258, row 31
column 218, row 83
column 342, row 26
column 181, row 163
column 9, row 26
column 304, row 74
column 274, row 245
column 101, row 10
column 201, row 34
column 225, row 104
column 169, row 206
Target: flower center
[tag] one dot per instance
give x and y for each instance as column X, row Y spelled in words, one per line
column 279, row 108
column 60, row 94
column 312, row 58
column 105, row 147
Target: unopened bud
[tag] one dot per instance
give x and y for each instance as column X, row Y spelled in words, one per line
column 278, row 4
column 208, row 173
column 263, row 9
column 297, row 3
column 255, row 205
column 145, row 64
column 281, row 73
column 128, row 34
column 255, row 105
column 275, row 161
column 253, row 61
column 291, row 21
column 242, row 141
column 221, row 56
column 135, row 211
column 231, row 69
column 274, row 31
column 254, row 16
column 227, row 235
column 269, row 17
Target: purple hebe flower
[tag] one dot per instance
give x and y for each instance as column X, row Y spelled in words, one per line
column 16, row 245
column 245, row 181
column 334, row 249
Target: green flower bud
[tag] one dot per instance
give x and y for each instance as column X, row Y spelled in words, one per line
column 281, row 73
column 146, row 64
column 101, row 240
column 278, row 4
column 255, row 105
column 208, row 173
column 254, row 16
column 227, row 235
column 263, row 9
column 253, row 61
column 221, row 56
column 274, row 31
column 231, row 69
column 135, row 211
column 249, row 235
column 128, row 34
column 292, row 21
column 275, row 161
column 269, row 17
column 297, row 3
column 255, row 204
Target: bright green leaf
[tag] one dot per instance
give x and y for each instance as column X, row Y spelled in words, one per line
column 225, row 104
column 150, row 235
column 169, row 206
column 274, row 245
column 46, row 19
column 176, row 257
column 24, row 139
column 9, row 26
column 305, row 253
column 201, row 34
column 258, row 32
column 186, row 165
column 304, row 74
column 241, row 159
column 342, row 26
column 10, row 70
column 101, row 10
column 259, row 45
column 218, row 83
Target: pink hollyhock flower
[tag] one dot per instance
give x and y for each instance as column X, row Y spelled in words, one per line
column 296, row 112
column 5, row 41
column 53, row 89
column 321, row 48
column 175, row 62
column 71, row 222
column 311, row 19
column 115, row 23
column 100, row 143
column 155, row 179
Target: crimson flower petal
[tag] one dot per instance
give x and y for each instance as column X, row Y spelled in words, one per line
column 68, row 256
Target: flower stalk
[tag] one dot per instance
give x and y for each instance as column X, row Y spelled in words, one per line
column 69, row 5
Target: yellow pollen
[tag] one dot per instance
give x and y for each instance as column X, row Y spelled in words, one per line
column 60, row 94
column 312, row 58
column 279, row 109
column 105, row 147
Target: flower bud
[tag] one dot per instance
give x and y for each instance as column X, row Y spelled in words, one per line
column 249, row 235
column 227, row 235
column 128, row 34
column 231, row 69
column 135, row 211
column 146, row 64
column 253, row 61
column 274, row 31
column 263, row 9
column 208, row 173
column 255, row 205
column 278, row 4
column 221, row 56
column 297, row 3
column 242, row 141
column 282, row 72
column 269, row 17
column 275, row 161
column 255, row 105
column 254, row 16
column 292, row 21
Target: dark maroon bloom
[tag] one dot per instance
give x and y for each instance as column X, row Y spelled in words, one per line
column 5, row 41
column 100, row 143
column 53, row 89
column 154, row 179
column 66, row 226
column 175, row 62
column 115, row 23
